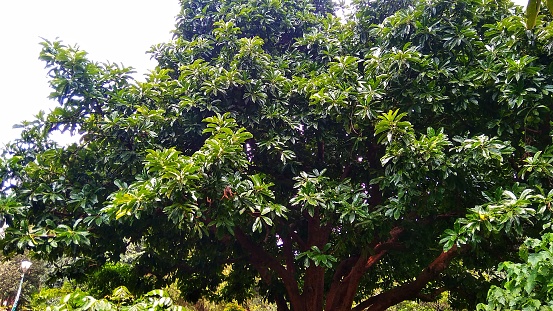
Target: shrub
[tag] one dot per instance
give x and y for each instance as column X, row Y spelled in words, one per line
column 110, row 276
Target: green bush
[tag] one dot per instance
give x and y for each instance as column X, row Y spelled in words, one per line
column 528, row 284
column 258, row 303
column 105, row 280
column 411, row 306
column 440, row 304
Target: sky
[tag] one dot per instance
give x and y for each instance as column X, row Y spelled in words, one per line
column 118, row 31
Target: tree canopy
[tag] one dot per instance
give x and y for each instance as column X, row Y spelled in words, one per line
column 331, row 163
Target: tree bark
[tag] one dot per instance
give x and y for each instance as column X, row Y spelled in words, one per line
column 281, row 304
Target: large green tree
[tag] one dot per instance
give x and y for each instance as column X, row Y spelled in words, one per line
column 332, row 164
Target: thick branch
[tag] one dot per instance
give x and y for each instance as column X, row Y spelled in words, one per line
column 343, row 268
column 409, row 291
column 342, row 292
column 260, row 259
column 313, row 289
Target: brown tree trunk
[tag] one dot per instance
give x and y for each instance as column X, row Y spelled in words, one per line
column 313, row 289
column 281, row 304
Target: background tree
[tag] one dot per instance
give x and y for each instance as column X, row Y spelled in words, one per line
column 332, row 164
column 10, row 275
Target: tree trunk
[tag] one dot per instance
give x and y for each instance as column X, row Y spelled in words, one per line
column 346, row 280
column 313, row 290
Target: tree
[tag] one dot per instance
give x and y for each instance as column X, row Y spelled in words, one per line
column 331, row 164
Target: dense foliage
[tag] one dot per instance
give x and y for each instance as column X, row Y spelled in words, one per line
column 527, row 285
column 103, row 281
column 328, row 163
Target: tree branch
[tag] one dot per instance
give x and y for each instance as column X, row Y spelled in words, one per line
column 342, row 268
column 411, row 290
column 342, row 291
column 259, row 258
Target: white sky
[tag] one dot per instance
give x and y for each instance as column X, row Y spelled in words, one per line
column 116, row 30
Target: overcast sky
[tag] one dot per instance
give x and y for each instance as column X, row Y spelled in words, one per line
column 116, row 30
